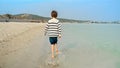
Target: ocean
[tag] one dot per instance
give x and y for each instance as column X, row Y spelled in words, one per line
column 89, row 46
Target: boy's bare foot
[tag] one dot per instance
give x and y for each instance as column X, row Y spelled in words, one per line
column 53, row 57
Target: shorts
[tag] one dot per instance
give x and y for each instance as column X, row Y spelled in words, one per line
column 53, row 40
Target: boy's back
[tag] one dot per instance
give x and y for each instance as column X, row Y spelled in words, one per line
column 53, row 27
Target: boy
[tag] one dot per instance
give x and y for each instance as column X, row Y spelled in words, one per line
column 53, row 30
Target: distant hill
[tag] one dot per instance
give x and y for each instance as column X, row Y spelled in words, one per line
column 22, row 18
column 32, row 18
column 40, row 19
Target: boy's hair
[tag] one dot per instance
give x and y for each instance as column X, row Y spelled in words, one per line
column 54, row 14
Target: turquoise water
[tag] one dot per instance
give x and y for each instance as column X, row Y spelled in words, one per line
column 90, row 46
column 84, row 43
column 105, row 36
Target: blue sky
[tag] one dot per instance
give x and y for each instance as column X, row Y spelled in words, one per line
column 98, row 10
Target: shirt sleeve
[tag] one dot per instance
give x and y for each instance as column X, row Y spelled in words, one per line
column 59, row 27
column 46, row 29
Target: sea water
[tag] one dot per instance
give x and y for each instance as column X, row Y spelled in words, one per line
column 89, row 46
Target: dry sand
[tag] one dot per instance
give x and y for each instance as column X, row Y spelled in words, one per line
column 17, row 45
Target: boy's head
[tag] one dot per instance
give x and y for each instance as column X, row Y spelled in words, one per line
column 54, row 14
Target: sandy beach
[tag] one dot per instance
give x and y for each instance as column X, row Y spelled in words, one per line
column 16, row 40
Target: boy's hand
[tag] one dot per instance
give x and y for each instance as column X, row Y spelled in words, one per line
column 59, row 36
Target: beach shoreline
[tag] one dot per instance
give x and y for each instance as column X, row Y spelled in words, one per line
column 27, row 47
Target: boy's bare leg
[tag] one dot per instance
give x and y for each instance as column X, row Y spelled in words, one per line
column 56, row 48
column 52, row 49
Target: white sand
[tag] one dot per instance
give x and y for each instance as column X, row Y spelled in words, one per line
column 22, row 31
column 16, row 39
column 10, row 30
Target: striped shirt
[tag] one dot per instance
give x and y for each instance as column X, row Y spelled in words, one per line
column 53, row 28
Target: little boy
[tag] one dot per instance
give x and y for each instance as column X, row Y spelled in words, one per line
column 53, row 30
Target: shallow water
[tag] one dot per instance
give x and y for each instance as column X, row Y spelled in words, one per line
column 89, row 46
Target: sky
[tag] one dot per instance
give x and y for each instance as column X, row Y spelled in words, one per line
column 97, row 10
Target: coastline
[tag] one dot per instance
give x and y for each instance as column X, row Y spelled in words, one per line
column 27, row 47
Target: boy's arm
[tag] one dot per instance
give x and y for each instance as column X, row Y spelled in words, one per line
column 59, row 29
column 46, row 28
